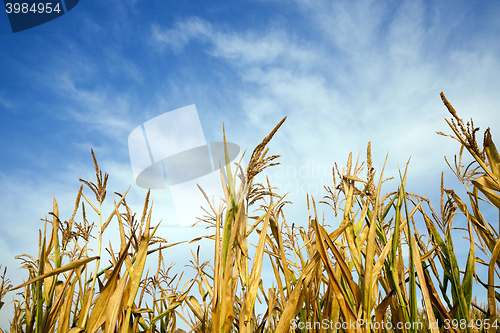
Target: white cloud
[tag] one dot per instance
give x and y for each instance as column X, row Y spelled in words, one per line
column 179, row 37
column 351, row 26
column 239, row 48
column 373, row 72
column 97, row 107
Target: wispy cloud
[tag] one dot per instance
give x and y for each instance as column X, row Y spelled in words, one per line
column 183, row 32
column 241, row 49
column 370, row 70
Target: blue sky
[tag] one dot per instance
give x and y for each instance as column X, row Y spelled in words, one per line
column 343, row 72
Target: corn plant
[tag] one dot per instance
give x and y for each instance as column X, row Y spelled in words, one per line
column 370, row 270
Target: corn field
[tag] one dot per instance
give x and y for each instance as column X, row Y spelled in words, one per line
column 374, row 273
